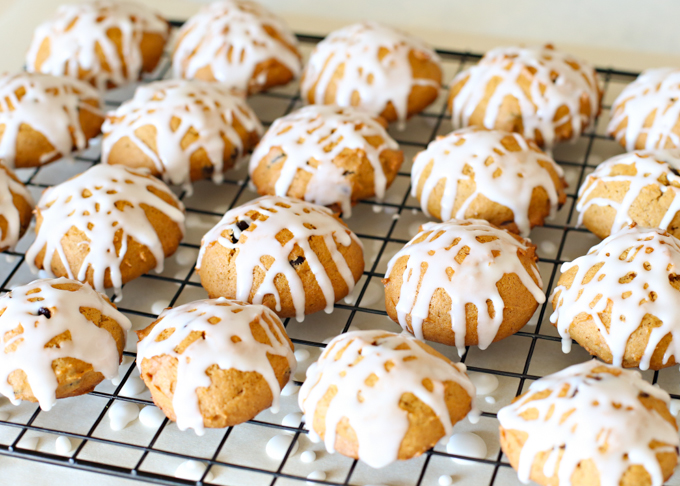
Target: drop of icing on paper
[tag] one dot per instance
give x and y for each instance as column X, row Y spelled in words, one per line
column 159, row 306
column 485, row 383
column 308, row 457
column 301, row 355
column 547, row 247
column 490, row 400
column 445, row 480
column 278, row 445
column 674, row 406
column 292, row 420
column 151, row 417
column 290, row 389
column 63, row 445
column 318, row 475
column 192, row 471
column 122, row 414
column 185, row 256
column 466, row 444
column 133, row 386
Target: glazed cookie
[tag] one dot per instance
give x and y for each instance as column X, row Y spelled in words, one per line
column 181, row 131
column 493, row 175
column 381, row 397
column 326, row 155
column 61, row 339
column 620, row 300
column 646, row 115
column 640, row 187
column 106, row 43
column 591, row 424
column 44, row 117
column 238, row 43
column 16, row 209
column 378, row 69
column 294, row 257
column 106, row 226
column 463, row 283
column 544, row 94
column 215, row 363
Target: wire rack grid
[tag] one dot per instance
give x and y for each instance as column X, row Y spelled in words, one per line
column 236, row 456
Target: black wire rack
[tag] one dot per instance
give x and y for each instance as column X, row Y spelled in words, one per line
column 383, row 227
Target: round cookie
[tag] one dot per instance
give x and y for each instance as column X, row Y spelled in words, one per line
column 106, row 226
column 16, row 209
column 238, row 43
column 546, row 95
column 488, row 174
column 381, row 397
column 326, row 155
column 620, row 301
column 591, row 424
column 106, row 43
column 215, row 363
column 646, row 115
column 294, row 257
column 44, row 117
column 181, row 131
column 373, row 67
column 60, row 339
column 640, row 187
column 463, row 283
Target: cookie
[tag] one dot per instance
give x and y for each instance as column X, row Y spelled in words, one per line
column 493, row 175
column 44, row 117
column 238, row 43
column 110, row 224
column 641, row 187
column 591, row 424
column 294, row 257
column 546, row 95
column 16, row 209
column 106, row 43
column 215, row 363
column 380, row 397
column 61, row 339
column 646, row 115
column 618, row 300
column 375, row 68
column 182, row 131
column 463, row 283
column 326, row 155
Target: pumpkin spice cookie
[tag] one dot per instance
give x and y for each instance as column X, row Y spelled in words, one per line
column 215, row 363
column 16, row 209
column 379, row 397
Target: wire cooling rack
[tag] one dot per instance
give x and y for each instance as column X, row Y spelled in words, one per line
column 236, row 456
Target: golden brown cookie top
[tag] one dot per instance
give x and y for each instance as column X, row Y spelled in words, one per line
column 592, row 411
column 631, row 273
column 43, row 321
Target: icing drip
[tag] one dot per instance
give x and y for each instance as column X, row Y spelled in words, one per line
column 651, row 167
column 505, row 169
column 378, row 77
column 78, row 35
column 90, row 202
column 50, row 105
column 655, row 91
column 227, row 342
column 653, row 257
column 258, row 239
column 322, row 133
column 233, row 38
column 599, row 417
column 432, row 255
column 28, row 329
column 556, row 80
column 206, row 108
column 373, row 411
column 8, row 187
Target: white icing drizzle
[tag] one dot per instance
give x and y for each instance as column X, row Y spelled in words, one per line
column 321, row 133
column 655, row 90
column 216, row 348
column 653, row 256
column 473, row 281
column 377, row 81
column 303, row 220
column 230, row 37
column 373, row 411
column 88, row 342
column 208, row 108
column 557, row 79
column 508, row 179
column 9, row 187
column 76, row 30
column 88, row 202
column 650, row 166
column 50, row 105
column 598, row 408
